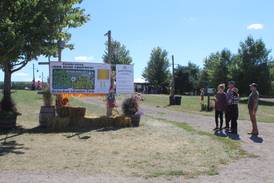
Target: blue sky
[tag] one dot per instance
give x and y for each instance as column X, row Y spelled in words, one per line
column 190, row 30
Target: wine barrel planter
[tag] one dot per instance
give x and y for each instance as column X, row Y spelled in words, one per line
column 8, row 120
column 135, row 120
column 47, row 113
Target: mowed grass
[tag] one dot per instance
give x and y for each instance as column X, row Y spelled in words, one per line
column 192, row 104
column 157, row 148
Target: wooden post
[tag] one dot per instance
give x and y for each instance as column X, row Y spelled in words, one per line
column 173, row 77
column 172, row 87
column 110, row 107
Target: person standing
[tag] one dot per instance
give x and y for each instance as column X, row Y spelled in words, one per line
column 253, row 102
column 232, row 110
column 220, row 106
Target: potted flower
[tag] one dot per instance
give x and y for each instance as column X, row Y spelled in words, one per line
column 47, row 111
column 130, row 108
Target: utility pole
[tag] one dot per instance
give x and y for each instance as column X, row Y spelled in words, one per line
column 173, row 77
column 33, row 72
column 111, row 94
column 172, row 85
column 108, row 34
column 42, row 78
column 172, row 91
column 61, row 46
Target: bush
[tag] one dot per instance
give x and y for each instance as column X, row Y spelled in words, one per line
column 130, row 106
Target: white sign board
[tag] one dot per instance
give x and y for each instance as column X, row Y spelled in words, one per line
column 124, row 79
column 79, row 78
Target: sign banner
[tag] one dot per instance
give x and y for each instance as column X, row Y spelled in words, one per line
column 124, row 79
column 79, row 78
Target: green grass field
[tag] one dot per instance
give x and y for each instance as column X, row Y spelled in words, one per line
column 158, row 148
column 192, row 104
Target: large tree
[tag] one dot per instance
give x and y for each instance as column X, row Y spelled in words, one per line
column 186, row 78
column 252, row 65
column 30, row 28
column 217, row 67
column 119, row 54
column 157, row 70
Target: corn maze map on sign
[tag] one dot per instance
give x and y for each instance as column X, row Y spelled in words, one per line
column 82, row 78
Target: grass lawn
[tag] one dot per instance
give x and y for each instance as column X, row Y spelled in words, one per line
column 192, row 104
column 157, row 148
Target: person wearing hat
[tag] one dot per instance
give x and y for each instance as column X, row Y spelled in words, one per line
column 253, row 102
column 232, row 110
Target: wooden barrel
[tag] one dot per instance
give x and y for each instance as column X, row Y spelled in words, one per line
column 47, row 113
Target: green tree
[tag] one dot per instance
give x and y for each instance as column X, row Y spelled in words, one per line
column 120, row 55
column 30, row 28
column 252, row 65
column 157, row 71
column 271, row 66
column 216, row 68
column 186, row 78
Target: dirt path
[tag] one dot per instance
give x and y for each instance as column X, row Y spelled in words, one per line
column 260, row 169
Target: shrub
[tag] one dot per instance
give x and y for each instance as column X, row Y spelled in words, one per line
column 130, row 106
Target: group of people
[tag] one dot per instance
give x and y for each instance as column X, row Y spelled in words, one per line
column 227, row 103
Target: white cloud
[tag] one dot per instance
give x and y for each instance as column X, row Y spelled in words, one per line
column 255, row 26
column 84, row 58
column 21, row 74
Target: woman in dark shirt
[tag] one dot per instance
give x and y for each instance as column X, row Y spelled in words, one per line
column 220, row 105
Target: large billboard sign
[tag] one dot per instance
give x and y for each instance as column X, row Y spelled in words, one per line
column 79, row 78
column 124, row 79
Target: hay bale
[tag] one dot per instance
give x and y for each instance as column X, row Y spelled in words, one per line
column 77, row 112
column 122, row 122
column 59, row 123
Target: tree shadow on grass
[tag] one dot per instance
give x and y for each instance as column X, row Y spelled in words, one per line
column 88, row 125
column 11, row 147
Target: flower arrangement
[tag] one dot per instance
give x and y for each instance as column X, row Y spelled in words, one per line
column 47, row 98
